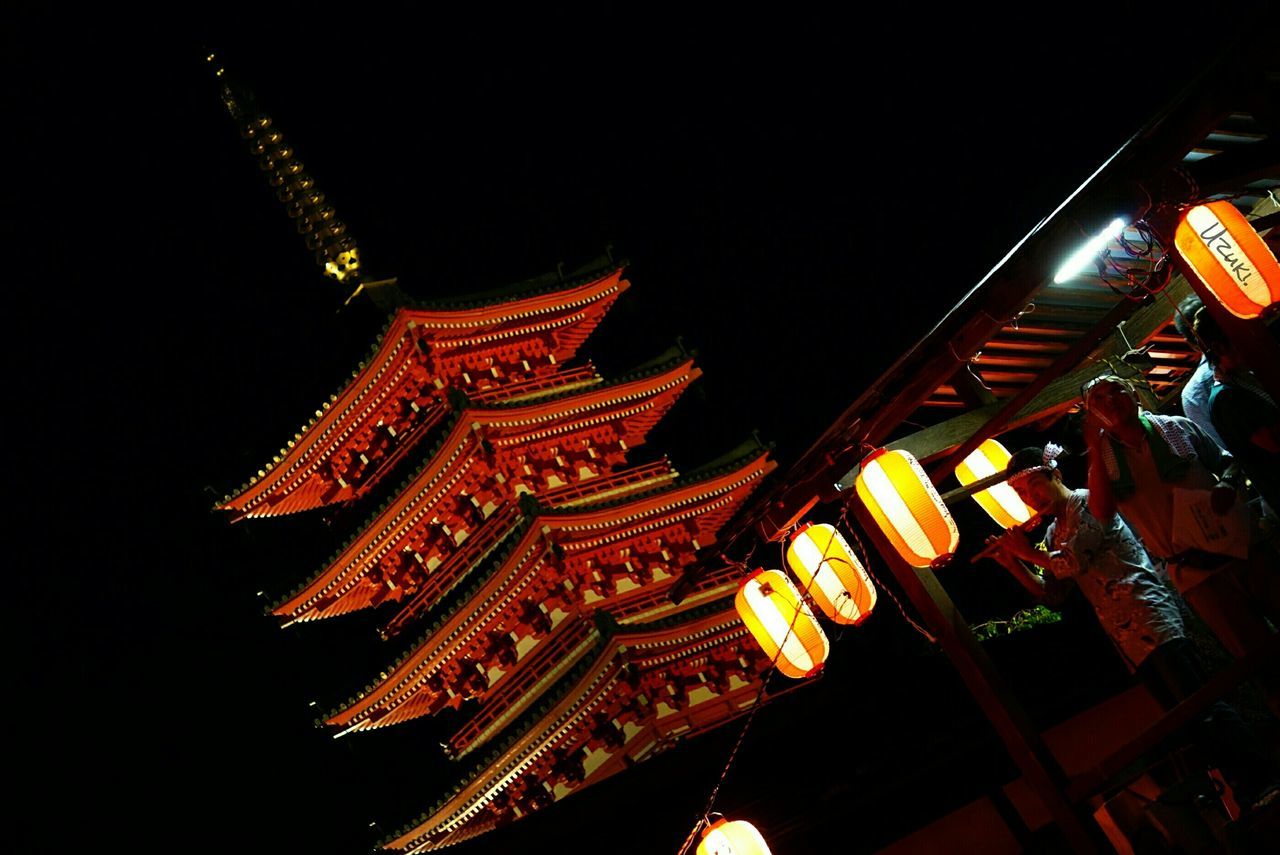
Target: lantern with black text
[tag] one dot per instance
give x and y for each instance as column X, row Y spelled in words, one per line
column 781, row 623
column 1000, row 501
column 833, row 576
column 1229, row 257
column 907, row 508
column 723, row 837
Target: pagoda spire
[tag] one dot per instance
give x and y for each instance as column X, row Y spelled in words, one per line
column 317, row 222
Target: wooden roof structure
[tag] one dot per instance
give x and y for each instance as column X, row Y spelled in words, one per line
column 1018, row 346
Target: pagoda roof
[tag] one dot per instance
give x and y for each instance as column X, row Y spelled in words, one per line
column 642, row 399
column 526, row 289
column 737, row 459
column 426, row 337
column 639, row 385
column 706, row 500
column 528, row 750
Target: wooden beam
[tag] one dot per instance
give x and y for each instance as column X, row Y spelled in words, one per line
column 1090, row 782
column 959, row 494
column 998, row 703
column 1229, row 171
column 1055, row 396
column 1068, row 361
column 1118, row 188
column 970, row 389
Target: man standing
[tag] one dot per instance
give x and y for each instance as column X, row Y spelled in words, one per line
column 1178, row 489
column 1198, row 389
column 1245, row 419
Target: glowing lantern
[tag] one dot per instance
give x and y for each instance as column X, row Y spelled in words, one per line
column 732, row 838
column 778, row 618
column 907, row 508
column 999, row 500
column 1230, row 258
column 831, row 573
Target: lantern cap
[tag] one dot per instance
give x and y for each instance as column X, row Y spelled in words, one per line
column 754, row 573
column 803, row 527
column 873, row 455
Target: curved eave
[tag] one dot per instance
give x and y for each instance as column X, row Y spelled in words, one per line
column 315, row 441
column 340, row 577
column 664, row 499
column 651, row 647
column 582, row 307
column 492, row 777
column 507, row 311
column 406, row 677
column 521, row 418
column 647, row 642
column 474, row 614
column 651, row 605
column 338, row 582
column 460, row 817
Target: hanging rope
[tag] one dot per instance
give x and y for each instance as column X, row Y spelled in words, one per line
column 759, row 701
column 866, row 565
column 708, row 812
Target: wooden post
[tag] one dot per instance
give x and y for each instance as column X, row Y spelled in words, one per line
column 997, row 702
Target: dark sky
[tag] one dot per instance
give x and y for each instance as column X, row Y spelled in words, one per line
column 796, row 204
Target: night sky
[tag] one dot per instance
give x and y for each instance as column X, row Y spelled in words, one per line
column 792, row 209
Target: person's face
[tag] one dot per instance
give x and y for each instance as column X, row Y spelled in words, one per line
column 1223, row 358
column 1039, row 491
column 1111, row 405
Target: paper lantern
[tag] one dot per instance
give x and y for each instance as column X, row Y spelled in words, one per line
column 1000, row 501
column 723, row 837
column 778, row 619
column 907, row 508
column 1229, row 257
column 832, row 575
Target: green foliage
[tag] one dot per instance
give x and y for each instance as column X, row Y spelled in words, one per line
column 1024, row 619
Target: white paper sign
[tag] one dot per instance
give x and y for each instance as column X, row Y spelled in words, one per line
column 1197, row 526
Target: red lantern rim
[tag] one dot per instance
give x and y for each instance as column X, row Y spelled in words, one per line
column 723, row 820
column 872, row 456
column 754, row 573
column 801, row 530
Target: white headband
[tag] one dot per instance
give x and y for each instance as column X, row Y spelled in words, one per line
column 1052, row 451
